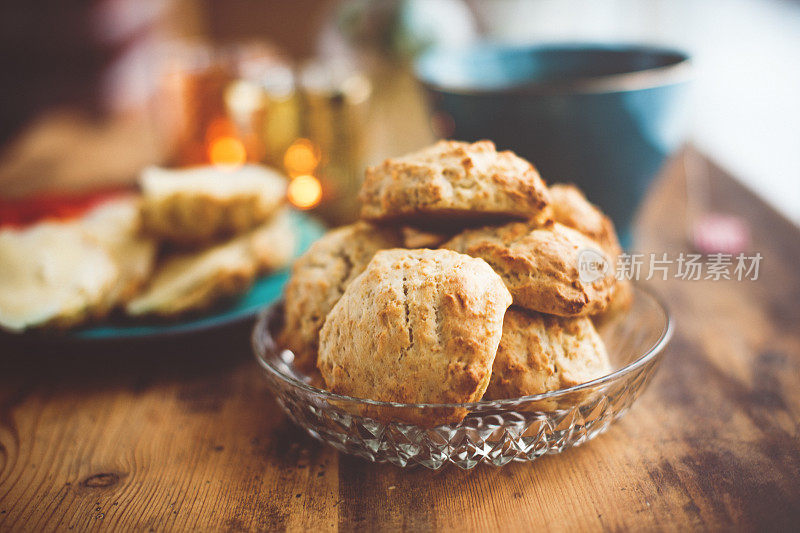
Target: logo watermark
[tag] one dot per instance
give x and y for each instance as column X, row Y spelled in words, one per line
column 592, row 265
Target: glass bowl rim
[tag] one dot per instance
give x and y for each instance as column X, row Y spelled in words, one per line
column 259, row 350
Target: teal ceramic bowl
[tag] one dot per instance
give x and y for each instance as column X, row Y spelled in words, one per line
column 604, row 117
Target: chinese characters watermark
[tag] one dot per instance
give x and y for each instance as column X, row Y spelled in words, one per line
column 592, row 265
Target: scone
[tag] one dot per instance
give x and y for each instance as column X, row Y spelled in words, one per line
column 194, row 281
column 540, row 265
column 621, row 301
column 273, row 244
column 199, row 205
column 417, row 326
column 540, row 353
column 116, row 225
column 52, row 274
column 320, row 277
column 453, row 181
column 571, row 208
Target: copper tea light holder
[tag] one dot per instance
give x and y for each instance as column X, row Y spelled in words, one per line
column 336, row 105
column 246, row 103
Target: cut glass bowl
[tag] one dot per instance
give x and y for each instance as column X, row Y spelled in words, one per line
column 494, row 432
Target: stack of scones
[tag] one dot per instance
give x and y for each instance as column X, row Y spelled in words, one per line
column 460, row 282
column 191, row 238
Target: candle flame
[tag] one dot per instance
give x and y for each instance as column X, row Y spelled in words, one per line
column 227, row 152
column 304, row 191
column 301, row 158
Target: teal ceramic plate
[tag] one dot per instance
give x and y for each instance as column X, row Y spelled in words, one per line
column 265, row 291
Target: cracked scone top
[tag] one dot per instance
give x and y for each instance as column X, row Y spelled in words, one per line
column 571, row 208
column 418, row 326
column 540, row 265
column 453, row 178
column 540, row 353
column 320, row 277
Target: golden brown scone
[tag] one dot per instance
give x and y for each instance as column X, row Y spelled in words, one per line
column 417, row 326
column 116, row 225
column 320, row 277
column 539, row 265
column 540, row 353
column 192, row 281
column 197, row 206
column 273, row 243
column 52, row 275
column 571, row 208
column 621, row 301
column 453, row 180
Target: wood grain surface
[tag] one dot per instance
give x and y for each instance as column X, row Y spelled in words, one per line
column 185, row 436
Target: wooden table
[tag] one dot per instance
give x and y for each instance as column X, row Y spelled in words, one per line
column 185, row 435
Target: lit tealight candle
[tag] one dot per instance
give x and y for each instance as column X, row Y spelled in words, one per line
column 304, row 191
column 302, row 157
column 227, row 152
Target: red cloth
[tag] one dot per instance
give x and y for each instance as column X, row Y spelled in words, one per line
column 24, row 211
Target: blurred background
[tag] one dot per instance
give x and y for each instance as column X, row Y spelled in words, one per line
column 96, row 89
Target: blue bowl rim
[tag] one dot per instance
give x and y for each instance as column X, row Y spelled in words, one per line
column 672, row 74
